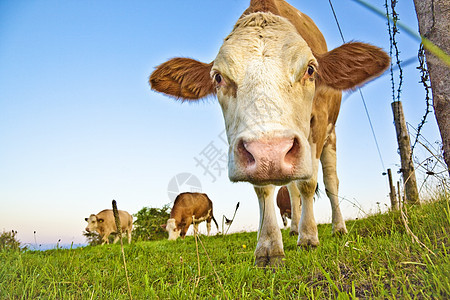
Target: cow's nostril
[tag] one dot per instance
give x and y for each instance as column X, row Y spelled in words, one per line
column 292, row 155
column 244, row 154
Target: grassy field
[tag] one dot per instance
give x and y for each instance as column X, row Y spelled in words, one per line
column 377, row 259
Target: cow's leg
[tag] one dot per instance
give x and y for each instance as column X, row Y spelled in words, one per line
column 284, row 218
column 208, row 225
column 331, row 181
column 105, row 238
column 117, row 237
column 308, row 235
column 269, row 249
column 129, row 235
column 296, row 208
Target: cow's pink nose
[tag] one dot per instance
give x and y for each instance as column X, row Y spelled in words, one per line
column 269, row 159
column 87, row 229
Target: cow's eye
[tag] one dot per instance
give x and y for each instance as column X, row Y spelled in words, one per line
column 310, row 70
column 218, row 78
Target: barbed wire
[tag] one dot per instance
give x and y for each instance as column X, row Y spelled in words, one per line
column 425, row 80
column 393, row 31
column 396, row 31
column 391, row 69
column 392, row 19
column 430, row 166
column 393, row 46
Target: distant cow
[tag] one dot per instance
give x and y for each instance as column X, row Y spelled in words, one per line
column 284, row 204
column 189, row 208
column 104, row 224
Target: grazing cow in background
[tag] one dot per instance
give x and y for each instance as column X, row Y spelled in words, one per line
column 280, row 91
column 189, row 208
column 284, row 204
column 105, row 224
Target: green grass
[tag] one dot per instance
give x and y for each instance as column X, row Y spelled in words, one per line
column 377, row 259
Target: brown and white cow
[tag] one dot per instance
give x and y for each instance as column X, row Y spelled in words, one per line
column 189, row 208
column 280, row 92
column 105, row 224
column 284, row 204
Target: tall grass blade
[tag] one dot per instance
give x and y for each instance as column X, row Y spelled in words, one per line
column 119, row 232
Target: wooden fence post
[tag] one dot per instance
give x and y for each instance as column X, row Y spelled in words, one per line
column 392, row 193
column 409, row 176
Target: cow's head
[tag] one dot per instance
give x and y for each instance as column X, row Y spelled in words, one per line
column 173, row 229
column 265, row 77
column 93, row 223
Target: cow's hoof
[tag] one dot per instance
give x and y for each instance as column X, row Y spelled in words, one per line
column 339, row 230
column 308, row 242
column 293, row 233
column 274, row 262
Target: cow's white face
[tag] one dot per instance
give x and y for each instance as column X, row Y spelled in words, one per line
column 264, row 75
column 265, row 79
column 92, row 223
column 172, row 229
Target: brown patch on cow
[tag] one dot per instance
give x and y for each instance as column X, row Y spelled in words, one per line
column 351, row 65
column 183, row 78
column 326, row 106
column 304, row 24
column 264, row 6
column 319, row 128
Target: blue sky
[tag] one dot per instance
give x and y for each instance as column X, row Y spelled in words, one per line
column 79, row 125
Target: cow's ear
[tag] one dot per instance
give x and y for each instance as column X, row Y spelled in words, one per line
column 100, row 220
column 183, row 78
column 86, row 219
column 163, row 226
column 351, row 65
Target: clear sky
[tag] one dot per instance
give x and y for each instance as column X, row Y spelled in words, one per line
column 79, row 125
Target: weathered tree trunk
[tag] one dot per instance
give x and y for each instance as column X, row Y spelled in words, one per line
column 434, row 24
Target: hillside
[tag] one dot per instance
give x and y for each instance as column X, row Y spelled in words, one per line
column 377, row 259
